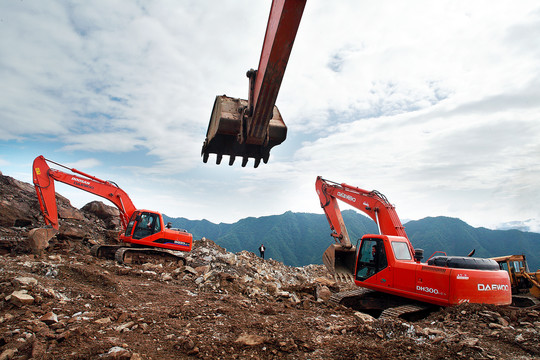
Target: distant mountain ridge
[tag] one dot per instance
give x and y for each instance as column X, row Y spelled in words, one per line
column 299, row 239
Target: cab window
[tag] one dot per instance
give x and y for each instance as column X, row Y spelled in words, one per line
column 401, row 250
column 147, row 225
column 371, row 258
column 130, row 226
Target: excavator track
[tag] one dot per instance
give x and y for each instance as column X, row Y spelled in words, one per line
column 525, row 302
column 129, row 255
column 105, row 251
column 396, row 312
column 375, row 302
column 337, row 298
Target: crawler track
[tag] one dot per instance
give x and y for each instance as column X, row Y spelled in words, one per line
column 128, row 255
column 337, row 298
column 395, row 312
column 131, row 255
column 383, row 305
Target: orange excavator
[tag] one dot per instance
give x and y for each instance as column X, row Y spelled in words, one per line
column 145, row 236
column 388, row 263
column 250, row 128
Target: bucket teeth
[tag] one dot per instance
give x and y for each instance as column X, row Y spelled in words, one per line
column 225, row 133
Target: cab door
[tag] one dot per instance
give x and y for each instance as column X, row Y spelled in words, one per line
column 371, row 259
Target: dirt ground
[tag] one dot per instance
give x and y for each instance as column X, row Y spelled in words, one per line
column 226, row 306
column 63, row 303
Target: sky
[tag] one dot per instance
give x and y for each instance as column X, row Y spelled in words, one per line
column 435, row 104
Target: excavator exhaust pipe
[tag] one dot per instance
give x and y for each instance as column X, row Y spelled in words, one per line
column 340, row 260
column 226, row 134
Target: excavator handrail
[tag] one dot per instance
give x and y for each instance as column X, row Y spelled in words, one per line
column 437, row 252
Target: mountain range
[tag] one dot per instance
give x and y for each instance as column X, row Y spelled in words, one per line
column 299, row 239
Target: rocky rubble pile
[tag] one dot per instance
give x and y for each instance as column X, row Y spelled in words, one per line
column 223, row 271
column 65, row 304
column 224, row 305
column 20, row 212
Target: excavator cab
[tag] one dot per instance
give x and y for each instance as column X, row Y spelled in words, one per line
column 227, row 133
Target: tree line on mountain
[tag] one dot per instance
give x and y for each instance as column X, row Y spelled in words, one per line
column 299, row 239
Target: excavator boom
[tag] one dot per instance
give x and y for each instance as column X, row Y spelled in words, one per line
column 250, row 128
column 44, row 177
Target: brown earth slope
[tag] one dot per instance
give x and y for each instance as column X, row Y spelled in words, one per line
column 65, row 304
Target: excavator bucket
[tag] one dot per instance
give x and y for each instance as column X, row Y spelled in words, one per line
column 227, row 128
column 339, row 259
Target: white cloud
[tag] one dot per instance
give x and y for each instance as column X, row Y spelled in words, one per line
column 84, row 164
column 433, row 103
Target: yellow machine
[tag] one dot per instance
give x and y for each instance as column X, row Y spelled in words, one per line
column 525, row 284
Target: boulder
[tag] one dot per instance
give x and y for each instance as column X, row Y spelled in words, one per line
column 38, row 239
column 250, row 339
column 25, row 281
column 323, row 293
column 49, row 318
column 69, row 212
column 363, row 317
column 73, row 232
column 20, row 298
column 109, row 214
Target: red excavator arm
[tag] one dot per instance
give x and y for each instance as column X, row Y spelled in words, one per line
column 44, row 177
column 372, row 203
column 250, row 128
column 340, row 257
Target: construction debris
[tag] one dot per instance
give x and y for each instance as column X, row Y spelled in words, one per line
column 66, row 304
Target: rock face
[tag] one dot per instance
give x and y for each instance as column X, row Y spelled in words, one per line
column 18, row 202
column 66, row 304
column 22, row 228
column 109, row 214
